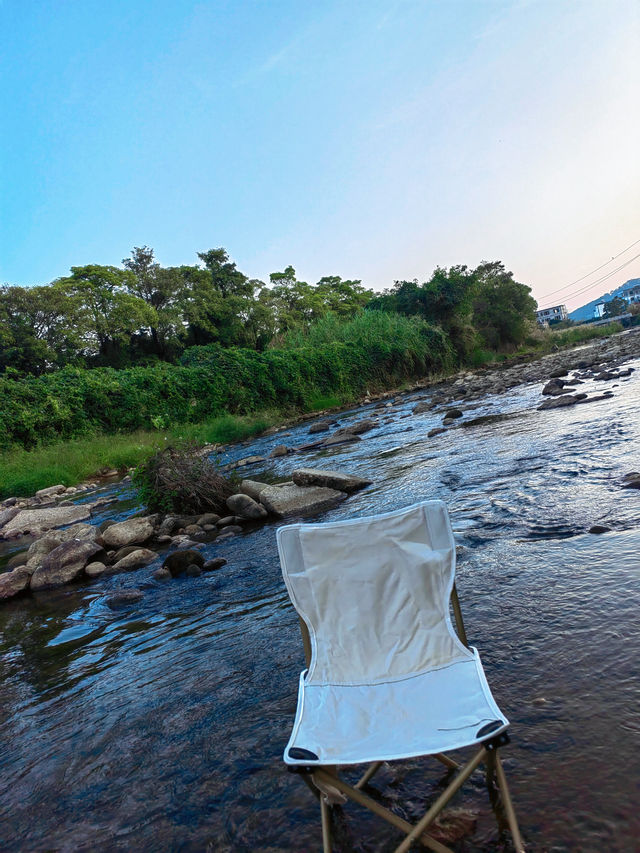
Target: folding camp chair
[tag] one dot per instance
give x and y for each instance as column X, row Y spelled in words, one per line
column 387, row 676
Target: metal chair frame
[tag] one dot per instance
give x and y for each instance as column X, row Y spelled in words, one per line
column 321, row 779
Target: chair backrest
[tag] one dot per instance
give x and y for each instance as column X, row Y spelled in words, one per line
column 374, row 593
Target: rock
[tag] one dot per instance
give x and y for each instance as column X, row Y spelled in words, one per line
column 9, row 501
column 193, row 571
column 39, row 549
column 556, row 374
column 162, row 574
column 359, row 427
column 319, row 426
column 560, row 402
column 252, row 488
column 7, row 514
column 84, row 532
column 452, row 414
column 338, row 438
column 553, row 388
column 137, row 558
column 248, row 460
column 599, row 528
column 299, row 500
column 168, row 526
column 13, row 583
column 631, row 480
column 177, row 562
column 50, row 491
column 124, row 598
column 280, row 450
column 245, row 507
column 193, row 529
column 329, row 479
column 46, row 519
column 539, row 701
column 17, row 560
column 215, row 563
column 104, row 524
column 94, row 570
column 228, row 519
column 435, row 431
column 133, row 531
column 229, row 531
column 63, row 564
column 421, row 408
column 208, row 518
column 448, row 421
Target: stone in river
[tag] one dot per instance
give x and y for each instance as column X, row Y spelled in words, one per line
column 134, row 531
column 599, row 528
column 338, row 438
column 215, row 563
column 452, row 414
column 329, row 479
column 319, row 426
column 299, row 500
column 50, row 491
column 13, row 583
column 41, row 519
column 178, row 561
column 124, row 598
column 560, row 402
column 137, row 558
column 79, row 531
column 193, row 571
column 7, row 514
column 94, row 570
column 245, row 507
column 280, row 450
column 63, row 564
column 252, row 488
column 39, row 549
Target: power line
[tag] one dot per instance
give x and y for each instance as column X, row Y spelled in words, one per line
column 582, row 277
column 602, row 278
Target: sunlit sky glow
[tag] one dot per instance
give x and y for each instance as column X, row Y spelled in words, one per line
column 371, row 140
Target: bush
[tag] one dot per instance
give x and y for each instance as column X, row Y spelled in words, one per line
column 182, row 480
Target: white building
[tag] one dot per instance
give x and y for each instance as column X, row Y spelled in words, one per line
column 630, row 291
column 558, row 312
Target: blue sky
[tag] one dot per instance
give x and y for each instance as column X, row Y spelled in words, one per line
column 372, row 140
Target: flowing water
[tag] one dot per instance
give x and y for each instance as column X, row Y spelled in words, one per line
column 160, row 726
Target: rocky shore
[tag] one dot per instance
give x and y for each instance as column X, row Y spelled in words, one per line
column 63, row 546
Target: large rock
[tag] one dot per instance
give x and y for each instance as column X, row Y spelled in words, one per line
column 560, row 402
column 50, row 491
column 421, row 408
column 299, row 500
column 252, row 488
column 84, row 532
column 137, row 558
column 94, row 570
column 7, row 514
column 339, row 437
column 134, row 531
column 319, row 426
column 39, row 549
column 554, row 388
column 13, row 583
column 357, row 428
column 178, row 562
column 245, row 507
column 63, row 564
column 46, row 519
column 329, row 479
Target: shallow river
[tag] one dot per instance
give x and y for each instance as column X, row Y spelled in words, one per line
column 161, row 726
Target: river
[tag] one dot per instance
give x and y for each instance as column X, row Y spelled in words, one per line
column 160, row 726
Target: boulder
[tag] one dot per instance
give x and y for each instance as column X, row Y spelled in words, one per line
column 178, row 561
column 39, row 549
column 357, row 428
column 7, row 514
column 94, row 570
column 553, row 388
column 560, row 402
column 162, row 574
column 435, row 431
column 299, row 500
column 45, row 519
column 63, row 564
column 421, row 408
column 193, row 571
column 556, row 374
column 280, row 450
column 329, row 479
column 193, row 529
column 245, row 507
column 339, row 437
column 215, row 563
column 133, row 531
column 17, row 560
column 168, row 526
column 631, row 480
column 137, row 558
column 228, row 519
column 230, row 530
column 84, row 532
column 50, row 491
column 248, row 460
column 13, row 583
column 452, row 414
column 319, row 426
column 599, row 528
column 208, row 518
column 252, row 488
column 124, row 597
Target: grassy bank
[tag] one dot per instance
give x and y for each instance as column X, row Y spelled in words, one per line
column 23, row 472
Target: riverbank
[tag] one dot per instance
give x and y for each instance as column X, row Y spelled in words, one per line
column 84, row 460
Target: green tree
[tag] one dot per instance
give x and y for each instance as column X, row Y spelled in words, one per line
column 614, row 307
column 503, row 309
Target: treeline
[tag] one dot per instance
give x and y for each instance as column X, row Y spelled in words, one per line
column 142, row 314
column 375, row 350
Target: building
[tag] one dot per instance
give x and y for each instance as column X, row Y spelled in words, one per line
column 630, row 291
column 546, row 315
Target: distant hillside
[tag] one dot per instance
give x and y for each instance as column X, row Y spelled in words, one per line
column 586, row 311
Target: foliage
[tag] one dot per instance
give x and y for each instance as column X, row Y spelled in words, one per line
column 615, row 307
column 182, row 479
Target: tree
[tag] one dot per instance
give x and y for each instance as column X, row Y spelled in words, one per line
column 503, row 309
column 615, row 307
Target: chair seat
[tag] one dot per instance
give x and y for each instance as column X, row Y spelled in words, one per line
column 433, row 711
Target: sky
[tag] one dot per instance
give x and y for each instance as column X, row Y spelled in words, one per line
column 373, row 140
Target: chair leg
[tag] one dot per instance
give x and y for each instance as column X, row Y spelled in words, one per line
column 508, row 806
column 326, row 825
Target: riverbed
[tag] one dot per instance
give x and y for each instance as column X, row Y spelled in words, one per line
column 160, row 726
